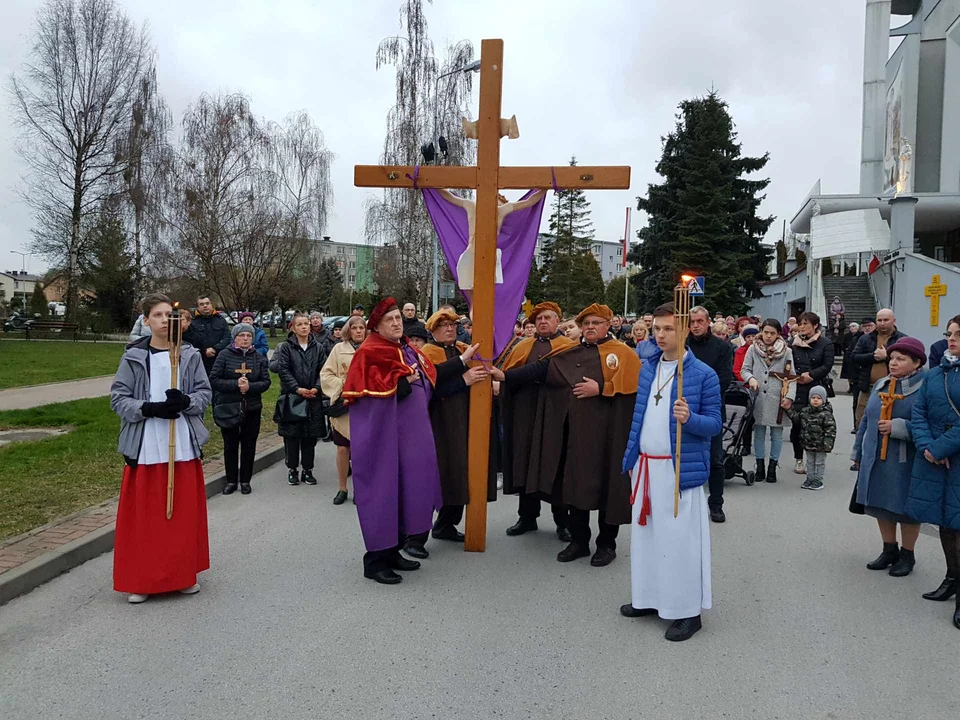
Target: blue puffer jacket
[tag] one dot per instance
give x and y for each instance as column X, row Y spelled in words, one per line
column 701, row 388
column 934, row 495
column 647, row 350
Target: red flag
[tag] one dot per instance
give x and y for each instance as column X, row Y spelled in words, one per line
column 874, row 265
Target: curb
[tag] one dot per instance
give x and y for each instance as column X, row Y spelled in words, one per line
column 48, row 566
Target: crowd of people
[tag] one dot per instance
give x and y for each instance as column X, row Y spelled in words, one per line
column 577, row 423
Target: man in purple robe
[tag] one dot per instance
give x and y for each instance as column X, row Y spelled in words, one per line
column 395, row 475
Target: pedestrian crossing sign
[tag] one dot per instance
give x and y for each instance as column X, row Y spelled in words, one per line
column 696, row 286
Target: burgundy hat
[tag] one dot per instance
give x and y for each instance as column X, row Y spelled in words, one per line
column 382, row 308
column 909, row 346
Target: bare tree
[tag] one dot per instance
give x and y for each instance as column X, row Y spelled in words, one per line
column 72, row 100
column 428, row 106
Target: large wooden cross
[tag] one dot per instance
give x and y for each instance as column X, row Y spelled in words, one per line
column 487, row 178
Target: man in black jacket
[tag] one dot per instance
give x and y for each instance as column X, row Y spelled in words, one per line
column 870, row 357
column 208, row 332
column 718, row 354
column 410, row 319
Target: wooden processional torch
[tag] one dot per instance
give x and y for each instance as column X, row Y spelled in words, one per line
column 174, row 338
column 681, row 305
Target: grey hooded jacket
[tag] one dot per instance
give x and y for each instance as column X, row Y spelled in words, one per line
column 131, row 389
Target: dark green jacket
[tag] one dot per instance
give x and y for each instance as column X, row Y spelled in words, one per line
column 818, row 429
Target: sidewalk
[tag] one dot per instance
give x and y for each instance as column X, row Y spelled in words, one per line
column 24, row 398
column 42, row 554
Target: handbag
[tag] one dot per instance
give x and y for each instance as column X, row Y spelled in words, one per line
column 229, row 415
column 337, row 409
column 855, row 507
column 291, row 408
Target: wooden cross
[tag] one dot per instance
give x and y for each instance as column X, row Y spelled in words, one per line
column 887, row 400
column 488, row 178
column 935, row 291
column 243, row 369
column 785, row 379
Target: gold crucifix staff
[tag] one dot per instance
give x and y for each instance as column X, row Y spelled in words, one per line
column 786, row 378
column 887, row 400
column 681, row 307
column 174, row 338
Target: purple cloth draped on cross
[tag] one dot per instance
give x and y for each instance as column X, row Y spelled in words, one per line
column 517, row 242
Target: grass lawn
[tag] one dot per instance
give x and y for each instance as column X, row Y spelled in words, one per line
column 47, row 479
column 37, row 361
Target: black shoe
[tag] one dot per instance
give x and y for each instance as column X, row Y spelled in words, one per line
column 384, row 577
column 522, row 526
column 327, row 438
column 956, row 615
column 603, row 557
column 229, row 488
column 417, row 551
column 761, row 473
column 564, row 534
column 245, row 489
column 572, row 552
column 772, row 472
column 340, row 498
column 308, row 478
column 904, row 566
column 399, row 562
column 716, row 514
column 293, row 478
column 684, row 629
column 947, row 589
column 889, row 556
column 448, row 533
column 630, row 611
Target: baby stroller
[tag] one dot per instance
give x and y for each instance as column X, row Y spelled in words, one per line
column 737, row 429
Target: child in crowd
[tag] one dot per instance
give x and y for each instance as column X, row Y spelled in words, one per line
column 818, row 433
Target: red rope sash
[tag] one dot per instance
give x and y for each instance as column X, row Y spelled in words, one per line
column 644, row 470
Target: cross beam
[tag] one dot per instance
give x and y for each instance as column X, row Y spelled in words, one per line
column 488, row 178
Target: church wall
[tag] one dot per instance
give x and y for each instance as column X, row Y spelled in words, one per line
column 777, row 297
column 913, row 308
column 846, row 233
column 929, row 117
column 940, row 18
column 950, row 144
column 903, row 79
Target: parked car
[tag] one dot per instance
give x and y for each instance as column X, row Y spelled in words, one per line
column 330, row 320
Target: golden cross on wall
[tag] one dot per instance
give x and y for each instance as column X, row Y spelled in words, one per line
column 935, row 291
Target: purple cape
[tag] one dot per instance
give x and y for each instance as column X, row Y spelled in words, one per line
column 517, row 242
column 396, row 481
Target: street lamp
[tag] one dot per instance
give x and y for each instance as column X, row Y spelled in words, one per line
column 23, row 258
column 438, row 148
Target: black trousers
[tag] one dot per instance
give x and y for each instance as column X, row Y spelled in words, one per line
column 300, row 451
column 530, row 510
column 580, row 529
column 795, row 439
column 717, row 474
column 855, row 392
column 378, row 560
column 240, row 448
column 447, row 516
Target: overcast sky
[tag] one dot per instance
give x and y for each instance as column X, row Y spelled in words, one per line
column 600, row 79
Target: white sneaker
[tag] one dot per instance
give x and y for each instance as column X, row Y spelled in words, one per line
column 192, row 590
column 800, row 469
column 499, row 481
column 135, row 599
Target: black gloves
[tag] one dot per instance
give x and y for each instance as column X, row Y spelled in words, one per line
column 159, row 410
column 177, row 399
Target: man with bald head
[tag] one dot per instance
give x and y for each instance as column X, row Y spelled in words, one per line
column 870, row 357
column 410, row 319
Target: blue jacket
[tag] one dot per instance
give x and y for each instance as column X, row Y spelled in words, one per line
column 260, row 341
column 647, row 350
column 934, row 495
column 701, row 388
column 936, row 352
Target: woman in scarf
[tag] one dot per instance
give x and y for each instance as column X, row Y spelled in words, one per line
column 332, row 377
column 882, row 485
column 934, row 494
column 768, row 354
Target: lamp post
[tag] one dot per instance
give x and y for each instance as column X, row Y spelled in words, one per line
column 23, row 258
column 471, row 67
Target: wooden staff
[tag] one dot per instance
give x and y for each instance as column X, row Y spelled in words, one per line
column 887, row 400
column 681, row 304
column 174, row 338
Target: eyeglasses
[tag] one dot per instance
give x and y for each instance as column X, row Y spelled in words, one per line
column 447, row 324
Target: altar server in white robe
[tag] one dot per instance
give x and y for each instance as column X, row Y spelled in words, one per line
column 670, row 556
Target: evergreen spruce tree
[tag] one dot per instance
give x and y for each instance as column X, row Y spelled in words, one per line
column 110, row 272
column 329, row 287
column 703, row 217
column 38, row 301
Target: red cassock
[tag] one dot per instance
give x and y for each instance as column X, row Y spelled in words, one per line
column 152, row 554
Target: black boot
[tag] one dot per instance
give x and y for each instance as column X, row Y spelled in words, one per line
column 956, row 615
column 761, row 471
column 904, row 566
column 772, row 472
column 889, row 556
column 947, row 589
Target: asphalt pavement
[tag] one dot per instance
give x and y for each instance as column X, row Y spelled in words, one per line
column 285, row 626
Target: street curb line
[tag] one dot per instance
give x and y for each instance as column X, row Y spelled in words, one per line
column 50, row 565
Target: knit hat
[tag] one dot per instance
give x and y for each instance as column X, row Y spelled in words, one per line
column 819, row 391
column 749, row 330
column 246, row 314
column 909, row 346
column 868, row 320
column 417, row 331
column 241, row 327
column 338, row 325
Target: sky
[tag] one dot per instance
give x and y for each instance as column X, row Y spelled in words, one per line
column 599, row 79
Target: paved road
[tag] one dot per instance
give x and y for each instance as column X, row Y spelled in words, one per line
column 36, row 395
column 286, row 627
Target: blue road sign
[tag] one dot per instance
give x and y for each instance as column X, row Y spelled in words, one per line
column 697, row 286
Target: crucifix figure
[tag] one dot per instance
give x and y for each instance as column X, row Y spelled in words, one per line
column 935, row 291
column 887, row 400
column 487, row 178
column 785, row 378
column 243, row 370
